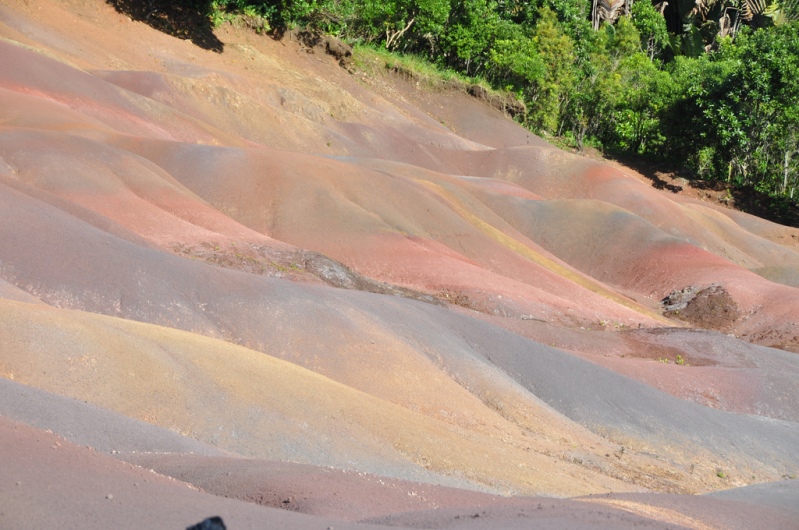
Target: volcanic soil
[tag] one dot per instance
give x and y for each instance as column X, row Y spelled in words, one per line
column 240, row 279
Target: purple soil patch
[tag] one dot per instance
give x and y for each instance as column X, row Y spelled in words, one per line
column 619, row 407
column 323, row 491
column 784, row 496
column 557, row 514
column 706, row 367
column 96, row 491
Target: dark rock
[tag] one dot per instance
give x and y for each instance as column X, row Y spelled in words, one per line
column 709, row 308
column 677, row 300
column 212, row 523
column 337, row 274
column 337, row 48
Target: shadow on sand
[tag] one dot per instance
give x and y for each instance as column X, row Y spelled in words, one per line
column 184, row 19
column 744, row 198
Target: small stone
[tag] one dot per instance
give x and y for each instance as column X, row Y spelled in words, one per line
column 212, row 523
column 110, row 497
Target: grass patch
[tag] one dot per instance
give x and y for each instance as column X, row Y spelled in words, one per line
column 374, row 62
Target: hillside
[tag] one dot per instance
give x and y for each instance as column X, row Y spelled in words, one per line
column 251, row 283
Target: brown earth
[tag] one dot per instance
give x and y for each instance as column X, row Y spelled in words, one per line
column 711, row 308
column 379, row 300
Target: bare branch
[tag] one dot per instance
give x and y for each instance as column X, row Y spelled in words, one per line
column 392, row 37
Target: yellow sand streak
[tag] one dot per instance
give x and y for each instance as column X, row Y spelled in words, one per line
column 530, row 254
column 654, row 512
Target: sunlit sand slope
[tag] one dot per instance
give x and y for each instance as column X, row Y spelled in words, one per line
column 197, row 386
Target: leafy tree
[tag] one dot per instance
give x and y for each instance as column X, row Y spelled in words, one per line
column 623, row 38
column 590, row 110
column 517, row 63
column 412, row 25
column 472, row 27
column 684, row 125
column 652, row 27
column 552, row 90
column 646, row 95
column 759, row 103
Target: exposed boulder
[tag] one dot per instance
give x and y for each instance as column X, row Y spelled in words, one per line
column 709, row 308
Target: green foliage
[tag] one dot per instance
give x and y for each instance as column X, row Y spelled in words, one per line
column 646, row 95
column 651, row 27
column 467, row 41
column 411, row 25
column 588, row 114
column 692, row 42
column 783, row 11
column 517, row 64
column 551, row 91
column 743, row 105
column 623, row 38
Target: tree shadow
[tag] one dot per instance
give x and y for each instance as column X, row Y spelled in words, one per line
column 184, row 19
column 781, row 210
column 651, row 170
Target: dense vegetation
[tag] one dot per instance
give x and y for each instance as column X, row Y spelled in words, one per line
column 711, row 85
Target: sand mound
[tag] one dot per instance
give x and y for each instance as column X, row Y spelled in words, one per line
column 257, row 256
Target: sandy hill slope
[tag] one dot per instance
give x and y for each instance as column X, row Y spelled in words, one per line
column 254, row 274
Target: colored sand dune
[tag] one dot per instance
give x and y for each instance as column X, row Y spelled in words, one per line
column 256, row 285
